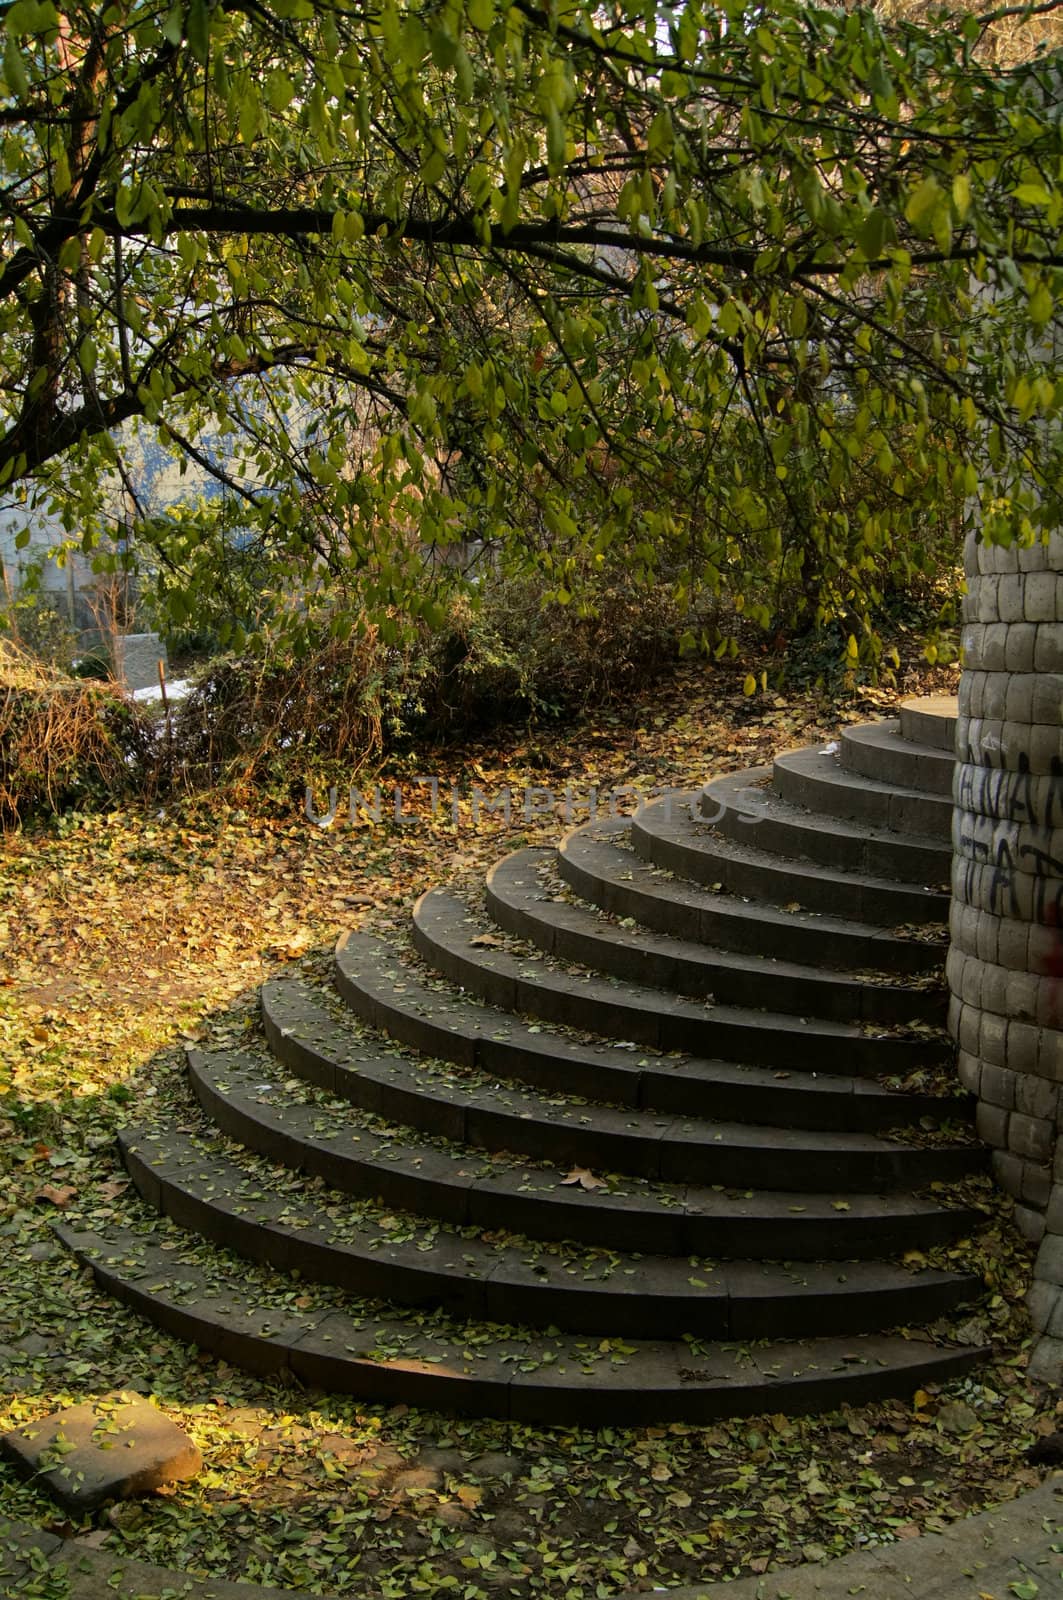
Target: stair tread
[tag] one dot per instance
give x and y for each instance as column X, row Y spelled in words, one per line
column 517, row 900
column 825, row 765
column 816, row 779
column 438, row 1021
column 699, row 839
column 467, row 1187
column 660, row 1146
column 356, row 1349
column 763, row 804
column 451, row 938
column 337, row 1241
column 934, row 769
column 594, row 860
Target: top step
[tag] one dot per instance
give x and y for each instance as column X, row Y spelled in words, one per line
column 931, row 720
column 876, row 750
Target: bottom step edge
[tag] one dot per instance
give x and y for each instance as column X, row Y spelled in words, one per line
column 567, row 1381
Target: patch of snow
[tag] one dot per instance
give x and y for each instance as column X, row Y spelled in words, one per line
column 177, row 690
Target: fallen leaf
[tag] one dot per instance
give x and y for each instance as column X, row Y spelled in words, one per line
column 582, row 1178
column 60, row 1194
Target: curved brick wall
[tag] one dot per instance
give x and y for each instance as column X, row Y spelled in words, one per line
column 1005, row 966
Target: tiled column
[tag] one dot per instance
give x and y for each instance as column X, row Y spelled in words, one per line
column 1006, row 962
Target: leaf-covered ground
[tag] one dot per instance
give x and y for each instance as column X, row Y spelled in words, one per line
column 131, row 933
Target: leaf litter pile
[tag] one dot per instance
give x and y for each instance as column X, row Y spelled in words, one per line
column 133, row 934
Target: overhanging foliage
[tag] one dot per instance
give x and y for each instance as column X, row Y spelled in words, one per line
column 752, row 297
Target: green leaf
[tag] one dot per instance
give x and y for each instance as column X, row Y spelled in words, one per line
column 1041, row 305
column 1032, row 194
column 871, row 234
column 923, row 202
column 197, row 30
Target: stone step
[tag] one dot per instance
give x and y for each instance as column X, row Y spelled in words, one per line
column 669, row 837
column 597, row 862
column 518, row 903
column 450, row 938
column 818, row 781
column 403, row 1260
column 437, row 1022
column 750, row 813
column 466, row 1188
column 878, row 750
column 350, row 1348
column 605, row 1138
column 930, row 721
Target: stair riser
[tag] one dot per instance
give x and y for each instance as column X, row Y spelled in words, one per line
column 933, row 731
column 829, row 893
column 746, row 934
column 928, row 815
column 832, row 996
column 542, row 1398
column 799, row 1049
column 906, row 768
column 899, row 859
column 624, row 1310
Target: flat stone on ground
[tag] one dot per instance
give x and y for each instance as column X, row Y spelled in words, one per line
column 109, row 1449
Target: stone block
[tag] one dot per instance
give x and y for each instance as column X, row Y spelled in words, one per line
column 1019, row 698
column 1020, row 647
column 1041, row 1302
column 1013, row 944
column 969, row 1071
column 1054, row 1330
column 1036, row 1097
column 1019, row 995
column 1032, row 557
column 1054, row 1209
column 1050, row 1055
column 110, row 1449
column 1046, row 1362
column 1049, row 1264
column 997, row 1087
column 1023, row 1046
column 1007, row 1170
column 967, row 1029
column 1030, row 1223
column 1043, row 747
column 993, row 705
column 1036, row 1186
column 993, row 646
column 984, row 601
column 993, row 1039
column 1047, row 698
column 1039, row 597
column 1010, row 597
column 1048, row 650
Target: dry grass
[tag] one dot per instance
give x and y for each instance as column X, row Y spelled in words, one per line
column 63, row 740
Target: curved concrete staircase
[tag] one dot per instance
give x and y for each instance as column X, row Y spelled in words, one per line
column 648, row 1135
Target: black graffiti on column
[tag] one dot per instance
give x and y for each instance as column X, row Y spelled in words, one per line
column 1012, row 796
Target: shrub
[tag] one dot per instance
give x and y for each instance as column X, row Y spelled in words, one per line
column 512, row 658
column 64, row 743
column 253, row 722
